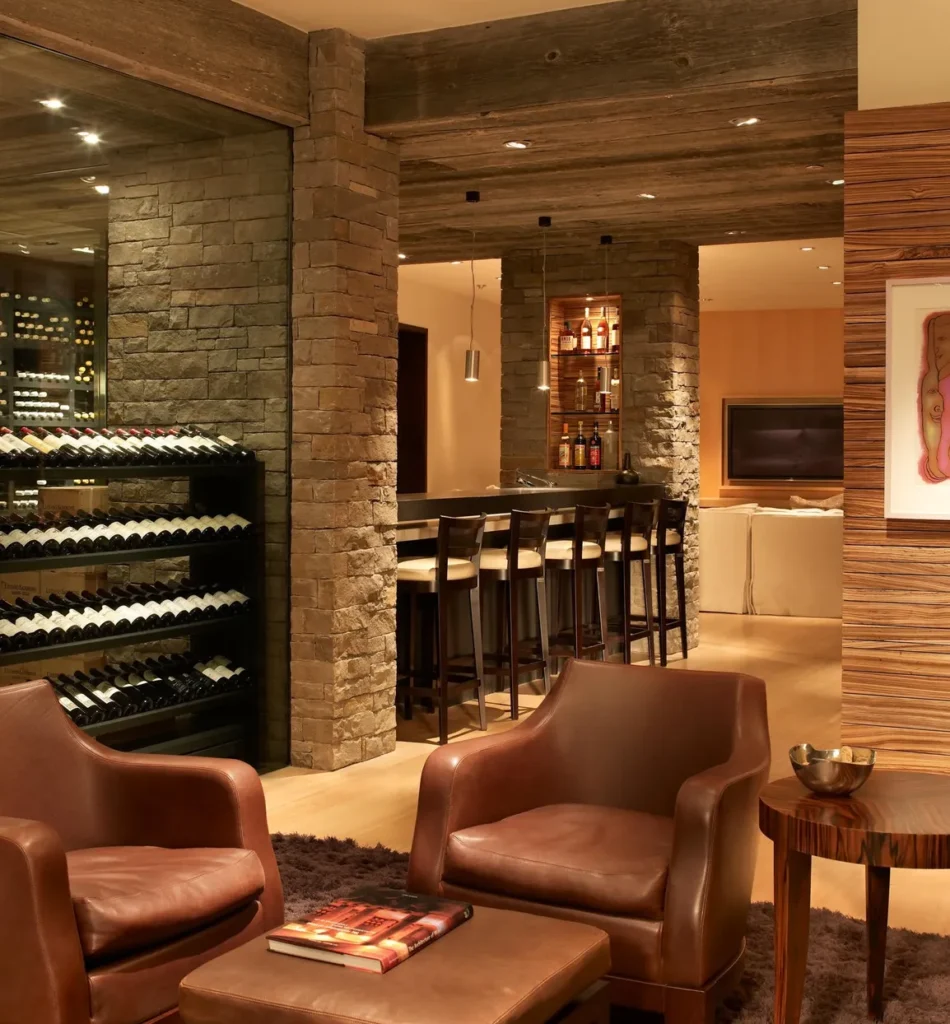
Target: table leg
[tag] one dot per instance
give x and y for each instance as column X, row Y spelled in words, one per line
column 878, row 893
column 792, row 900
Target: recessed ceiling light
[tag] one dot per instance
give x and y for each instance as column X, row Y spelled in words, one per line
column 808, row 248
column 86, row 249
column 745, row 122
column 734, row 232
column 515, row 144
column 707, row 300
column 103, row 190
column 499, row 277
column 456, row 263
column 836, row 181
column 52, row 103
column 836, row 282
column 90, row 138
column 647, row 195
column 88, row 178
column 815, row 167
column 823, row 266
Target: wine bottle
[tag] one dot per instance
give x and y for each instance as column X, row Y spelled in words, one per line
column 108, row 691
column 586, row 332
column 75, row 712
column 602, row 337
column 594, row 452
column 564, row 449
column 112, row 708
column 580, row 448
column 94, row 711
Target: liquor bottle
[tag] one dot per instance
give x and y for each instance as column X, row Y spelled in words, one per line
column 594, row 455
column 564, row 449
column 602, row 337
column 568, row 339
column 615, row 392
column 615, row 337
column 586, row 331
column 580, row 395
column 580, row 448
column 610, row 448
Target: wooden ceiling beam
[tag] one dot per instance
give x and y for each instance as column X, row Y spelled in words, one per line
column 632, row 51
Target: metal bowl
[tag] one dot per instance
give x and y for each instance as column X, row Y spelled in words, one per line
column 838, row 772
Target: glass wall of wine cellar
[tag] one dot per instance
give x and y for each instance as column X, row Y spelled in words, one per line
column 144, row 409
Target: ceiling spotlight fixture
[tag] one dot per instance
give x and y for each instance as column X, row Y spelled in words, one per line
column 26, row 252
column 836, row 181
column 88, row 178
column 103, row 190
column 734, row 232
column 456, row 263
column 86, row 250
column 90, row 138
column 823, row 266
column 52, row 103
column 808, row 248
column 745, row 122
column 647, row 195
column 515, row 144
column 403, row 256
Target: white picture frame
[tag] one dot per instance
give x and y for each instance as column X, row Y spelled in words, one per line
column 917, row 400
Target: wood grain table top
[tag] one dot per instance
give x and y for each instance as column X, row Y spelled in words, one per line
column 897, row 819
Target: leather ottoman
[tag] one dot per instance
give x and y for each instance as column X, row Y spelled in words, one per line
column 500, row 967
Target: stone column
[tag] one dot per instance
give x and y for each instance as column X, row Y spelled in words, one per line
column 343, row 456
column 659, row 283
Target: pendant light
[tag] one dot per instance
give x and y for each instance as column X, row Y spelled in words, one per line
column 603, row 375
column 473, row 356
column 544, row 366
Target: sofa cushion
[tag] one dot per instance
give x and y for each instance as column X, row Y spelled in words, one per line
column 599, row 858
column 127, row 898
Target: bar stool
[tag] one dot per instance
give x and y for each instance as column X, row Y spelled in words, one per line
column 629, row 547
column 583, row 553
column 668, row 543
column 520, row 562
column 453, row 571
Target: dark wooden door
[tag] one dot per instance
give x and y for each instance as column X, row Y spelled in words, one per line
column 412, row 408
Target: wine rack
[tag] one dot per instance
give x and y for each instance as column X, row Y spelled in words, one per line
column 223, row 725
column 581, row 359
column 52, row 343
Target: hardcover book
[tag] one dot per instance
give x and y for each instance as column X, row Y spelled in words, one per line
column 371, row 929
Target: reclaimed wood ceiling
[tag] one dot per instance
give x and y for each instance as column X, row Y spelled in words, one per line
column 618, row 100
column 44, row 203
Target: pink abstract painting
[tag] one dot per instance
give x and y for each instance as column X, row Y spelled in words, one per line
column 934, row 399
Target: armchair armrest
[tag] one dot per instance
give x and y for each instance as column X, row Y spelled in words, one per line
column 164, row 800
column 44, row 978
column 474, row 783
column 715, row 841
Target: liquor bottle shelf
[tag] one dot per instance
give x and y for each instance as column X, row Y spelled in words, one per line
column 141, row 636
column 218, row 701
column 586, row 413
column 58, row 474
column 587, row 353
column 122, row 555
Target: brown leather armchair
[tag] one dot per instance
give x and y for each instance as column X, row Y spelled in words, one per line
column 119, row 873
column 628, row 801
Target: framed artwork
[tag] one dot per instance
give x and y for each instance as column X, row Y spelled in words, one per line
column 917, row 413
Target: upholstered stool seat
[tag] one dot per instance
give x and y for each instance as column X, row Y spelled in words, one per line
column 496, row 559
column 560, row 550
column 423, row 570
column 614, row 544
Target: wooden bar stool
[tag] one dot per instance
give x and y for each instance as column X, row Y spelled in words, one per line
column 521, row 562
column 584, row 553
column 631, row 547
column 668, row 543
column 453, row 571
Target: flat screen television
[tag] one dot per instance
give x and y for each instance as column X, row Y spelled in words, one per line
column 781, row 441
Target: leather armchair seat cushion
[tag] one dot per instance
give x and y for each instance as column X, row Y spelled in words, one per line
column 129, row 897
column 603, row 859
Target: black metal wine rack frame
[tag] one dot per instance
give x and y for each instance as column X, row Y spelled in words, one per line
column 224, row 725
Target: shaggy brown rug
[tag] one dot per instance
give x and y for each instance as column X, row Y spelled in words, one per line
column 917, row 985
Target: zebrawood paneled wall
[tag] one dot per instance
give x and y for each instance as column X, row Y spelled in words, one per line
column 897, row 575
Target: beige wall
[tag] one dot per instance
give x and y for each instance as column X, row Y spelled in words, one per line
column 464, row 419
column 775, row 353
column 902, row 52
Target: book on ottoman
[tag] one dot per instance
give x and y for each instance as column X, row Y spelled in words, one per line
column 371, row 929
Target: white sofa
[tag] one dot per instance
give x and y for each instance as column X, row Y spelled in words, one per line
column 768, row 561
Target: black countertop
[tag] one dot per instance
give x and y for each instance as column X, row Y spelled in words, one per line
column 416, row 507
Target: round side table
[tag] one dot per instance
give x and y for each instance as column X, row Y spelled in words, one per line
column 896, row 820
